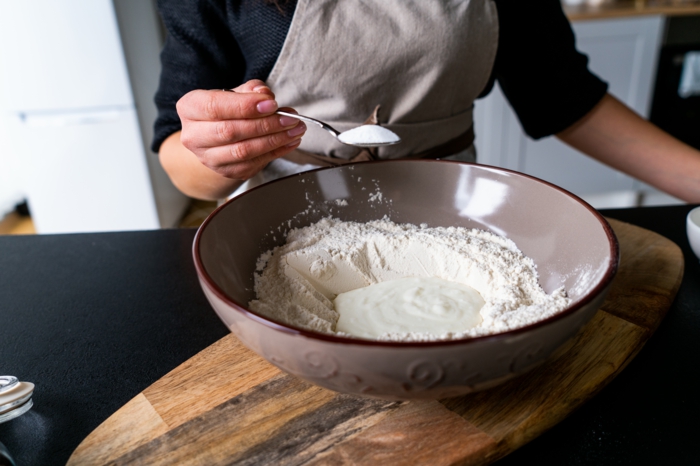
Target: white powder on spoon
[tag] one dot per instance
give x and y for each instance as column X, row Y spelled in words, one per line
column 297, row 282
column 368, row 135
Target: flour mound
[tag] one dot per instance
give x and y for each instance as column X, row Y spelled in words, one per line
column 296, row 283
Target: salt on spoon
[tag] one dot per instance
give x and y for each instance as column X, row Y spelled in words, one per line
column 362, row 136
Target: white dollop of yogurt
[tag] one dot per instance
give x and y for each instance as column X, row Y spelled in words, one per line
column 368, row 135
column 405, row 305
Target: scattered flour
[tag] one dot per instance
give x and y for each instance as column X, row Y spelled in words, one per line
column 297, row 282
column 376, row 197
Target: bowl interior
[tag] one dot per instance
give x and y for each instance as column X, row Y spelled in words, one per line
column 694, row 218
column 570, row 243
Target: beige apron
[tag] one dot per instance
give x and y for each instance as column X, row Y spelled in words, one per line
column 423, row 61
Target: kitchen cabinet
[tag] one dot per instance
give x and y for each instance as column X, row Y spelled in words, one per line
column 624, row 53
column 76, row 107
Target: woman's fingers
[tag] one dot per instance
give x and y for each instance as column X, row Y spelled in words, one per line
column 254, row 85
column 246, row 163
column 204, row 134
column 201, row 105
column 243, row 151
column 236, row 134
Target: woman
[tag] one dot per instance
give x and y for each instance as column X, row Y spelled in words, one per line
column 424, row 62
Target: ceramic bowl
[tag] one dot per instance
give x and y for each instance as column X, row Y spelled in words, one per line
column 692, row 228
column 569, row 241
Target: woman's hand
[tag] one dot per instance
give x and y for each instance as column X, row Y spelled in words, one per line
column 226, row 138
column 236, row 134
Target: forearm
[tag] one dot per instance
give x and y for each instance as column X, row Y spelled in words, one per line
column 189, row 175
column 618, row 137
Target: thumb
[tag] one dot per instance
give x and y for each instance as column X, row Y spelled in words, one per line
column 256, row 86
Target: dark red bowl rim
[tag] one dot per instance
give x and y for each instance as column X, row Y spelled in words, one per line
column 290, row 329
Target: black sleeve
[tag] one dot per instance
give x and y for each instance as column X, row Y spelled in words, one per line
column 544, row 77
column 200, row 52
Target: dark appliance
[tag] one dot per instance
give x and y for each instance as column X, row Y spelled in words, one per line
column 676, row 102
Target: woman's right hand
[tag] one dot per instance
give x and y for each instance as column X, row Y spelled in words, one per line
column 236, row 134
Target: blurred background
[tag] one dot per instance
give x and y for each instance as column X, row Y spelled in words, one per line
column 77, row 79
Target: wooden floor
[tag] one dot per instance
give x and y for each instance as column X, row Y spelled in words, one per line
column 15, row 224
column 198, row 211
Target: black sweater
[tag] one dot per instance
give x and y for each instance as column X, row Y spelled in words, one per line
column 216, row 44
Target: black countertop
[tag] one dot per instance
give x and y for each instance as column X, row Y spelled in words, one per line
column 94, row 319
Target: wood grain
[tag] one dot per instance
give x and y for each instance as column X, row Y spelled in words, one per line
column 629, row 8
column 422, row 432
column 137, row 417
column 208, row 379
column 536, row 401
column 228, row 406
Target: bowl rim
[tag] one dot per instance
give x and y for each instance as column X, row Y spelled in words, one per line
column 613, row 265
column 693, row 217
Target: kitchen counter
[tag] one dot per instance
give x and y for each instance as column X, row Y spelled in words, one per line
column 626, row 8
column 94, row 319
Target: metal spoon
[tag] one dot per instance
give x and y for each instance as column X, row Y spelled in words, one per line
column 391, row 138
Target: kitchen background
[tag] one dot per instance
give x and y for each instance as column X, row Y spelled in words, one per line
column 77, row 79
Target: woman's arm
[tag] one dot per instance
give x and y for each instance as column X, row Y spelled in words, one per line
column 618, row 137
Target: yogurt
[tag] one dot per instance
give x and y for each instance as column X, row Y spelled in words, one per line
column 405, row 305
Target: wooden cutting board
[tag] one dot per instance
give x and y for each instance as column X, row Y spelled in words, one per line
column 226, row 405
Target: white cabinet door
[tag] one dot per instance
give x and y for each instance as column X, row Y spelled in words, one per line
column 61, row 55
column 624, row 53
column 84, row 171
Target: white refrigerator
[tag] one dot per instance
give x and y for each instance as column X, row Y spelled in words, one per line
column 77, row 79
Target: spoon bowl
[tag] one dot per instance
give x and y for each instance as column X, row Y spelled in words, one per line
column 386, row 137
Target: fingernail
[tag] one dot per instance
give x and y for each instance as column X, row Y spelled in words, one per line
column 260, row 88
column 297, row 130
column 294, row 143
column 288, row 121
column 267, row 106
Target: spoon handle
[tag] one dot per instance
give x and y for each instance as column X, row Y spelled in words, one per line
column 323, row 125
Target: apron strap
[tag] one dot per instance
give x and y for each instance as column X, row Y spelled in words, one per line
column 462, row 142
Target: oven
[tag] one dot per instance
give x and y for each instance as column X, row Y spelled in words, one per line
column 676, row 101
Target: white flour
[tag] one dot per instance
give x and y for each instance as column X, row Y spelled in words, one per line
column 297, row 282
